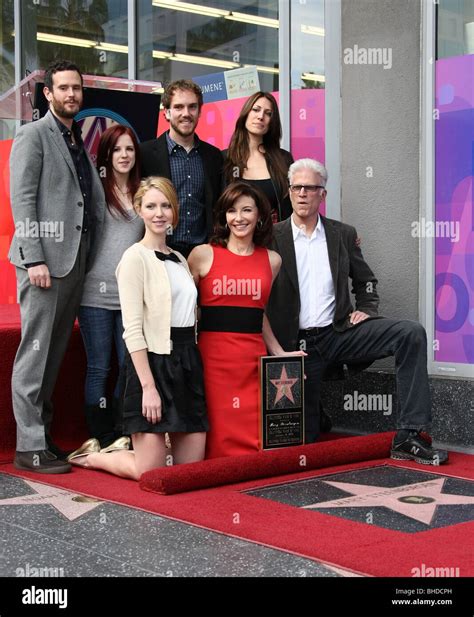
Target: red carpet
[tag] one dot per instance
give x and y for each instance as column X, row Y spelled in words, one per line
column 363, row 548
column 221, row 471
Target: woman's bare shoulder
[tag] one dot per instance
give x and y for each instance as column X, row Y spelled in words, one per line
column 201, row 252
column 274, row 257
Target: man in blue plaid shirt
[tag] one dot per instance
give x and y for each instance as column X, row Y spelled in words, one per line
column 194, row 166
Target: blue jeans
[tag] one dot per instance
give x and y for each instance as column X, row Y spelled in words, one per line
column 100, row 328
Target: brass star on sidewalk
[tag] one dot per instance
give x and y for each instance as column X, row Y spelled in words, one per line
column 64, row 501
column 418, row 501
column 283, row 386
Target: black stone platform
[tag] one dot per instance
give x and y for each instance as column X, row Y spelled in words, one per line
column 452, row 403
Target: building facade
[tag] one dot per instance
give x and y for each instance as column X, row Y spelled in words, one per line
column 381, row 91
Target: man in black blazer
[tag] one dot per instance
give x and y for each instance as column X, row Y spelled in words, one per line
column 310, row 309
column 194, row 166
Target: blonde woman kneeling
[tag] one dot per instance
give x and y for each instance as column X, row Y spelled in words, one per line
column 164, row 390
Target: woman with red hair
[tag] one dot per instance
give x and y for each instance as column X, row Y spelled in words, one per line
column 100, row 317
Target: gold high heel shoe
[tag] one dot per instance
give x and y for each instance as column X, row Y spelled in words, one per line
column 88, row 447
column 122, row 443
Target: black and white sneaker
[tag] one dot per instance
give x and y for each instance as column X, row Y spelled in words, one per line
column 417, row 448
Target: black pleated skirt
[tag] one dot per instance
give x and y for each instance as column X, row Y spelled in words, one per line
column 180, row 384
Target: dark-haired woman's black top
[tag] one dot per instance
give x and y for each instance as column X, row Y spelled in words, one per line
column 279, row 202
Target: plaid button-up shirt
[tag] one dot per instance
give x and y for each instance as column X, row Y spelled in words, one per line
column 187, row 175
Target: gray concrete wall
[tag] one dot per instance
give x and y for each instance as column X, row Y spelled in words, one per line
column 381, row 130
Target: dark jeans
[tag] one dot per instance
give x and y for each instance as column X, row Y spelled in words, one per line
column 368, row 341
column 100, row 328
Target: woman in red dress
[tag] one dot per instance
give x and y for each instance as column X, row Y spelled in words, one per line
column 234, row 274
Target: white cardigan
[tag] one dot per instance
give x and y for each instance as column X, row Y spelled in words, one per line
column 145, row 299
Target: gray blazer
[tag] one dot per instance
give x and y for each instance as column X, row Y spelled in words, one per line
column 345, row 260
column 47, row 202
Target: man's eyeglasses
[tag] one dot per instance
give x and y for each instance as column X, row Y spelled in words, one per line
column 308, row 188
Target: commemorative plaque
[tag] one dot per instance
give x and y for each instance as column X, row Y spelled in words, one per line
column 281, row 401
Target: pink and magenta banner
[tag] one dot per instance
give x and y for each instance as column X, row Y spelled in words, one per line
column 454, row 214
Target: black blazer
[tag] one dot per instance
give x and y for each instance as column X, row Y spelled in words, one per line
column 155, row 162
column 345, row 260
column 283, row 200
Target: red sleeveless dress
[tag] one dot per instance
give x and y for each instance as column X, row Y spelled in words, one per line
column 232, row 298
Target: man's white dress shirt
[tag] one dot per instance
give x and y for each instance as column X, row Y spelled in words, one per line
column 318, row 299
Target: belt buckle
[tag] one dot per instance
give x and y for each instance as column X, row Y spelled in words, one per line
column 314, row 331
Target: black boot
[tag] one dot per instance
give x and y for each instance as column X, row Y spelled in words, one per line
column 100, row 423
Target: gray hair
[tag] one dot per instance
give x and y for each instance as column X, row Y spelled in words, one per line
column 311, row 164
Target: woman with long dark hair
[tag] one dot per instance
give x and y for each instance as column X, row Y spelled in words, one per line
column 254, row 154
column 234, row 274
column 100, row 317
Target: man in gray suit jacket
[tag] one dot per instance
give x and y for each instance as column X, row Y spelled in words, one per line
column 58, row 207
column 310, row 309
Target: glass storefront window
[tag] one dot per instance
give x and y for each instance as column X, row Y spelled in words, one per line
column 308, row 80
column 91, row 33
column 7, row 46
column 207, row 37
column 307, row 45
column 455, row 28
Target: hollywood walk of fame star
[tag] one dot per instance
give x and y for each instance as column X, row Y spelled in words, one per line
column 283, row 386
column 60, row 499
column 418, row 501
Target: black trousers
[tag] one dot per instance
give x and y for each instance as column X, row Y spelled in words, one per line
column 371, row 340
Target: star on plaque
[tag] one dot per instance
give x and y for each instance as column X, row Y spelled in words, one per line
column 418, row 501
column 69, row 504
column 283, row 386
